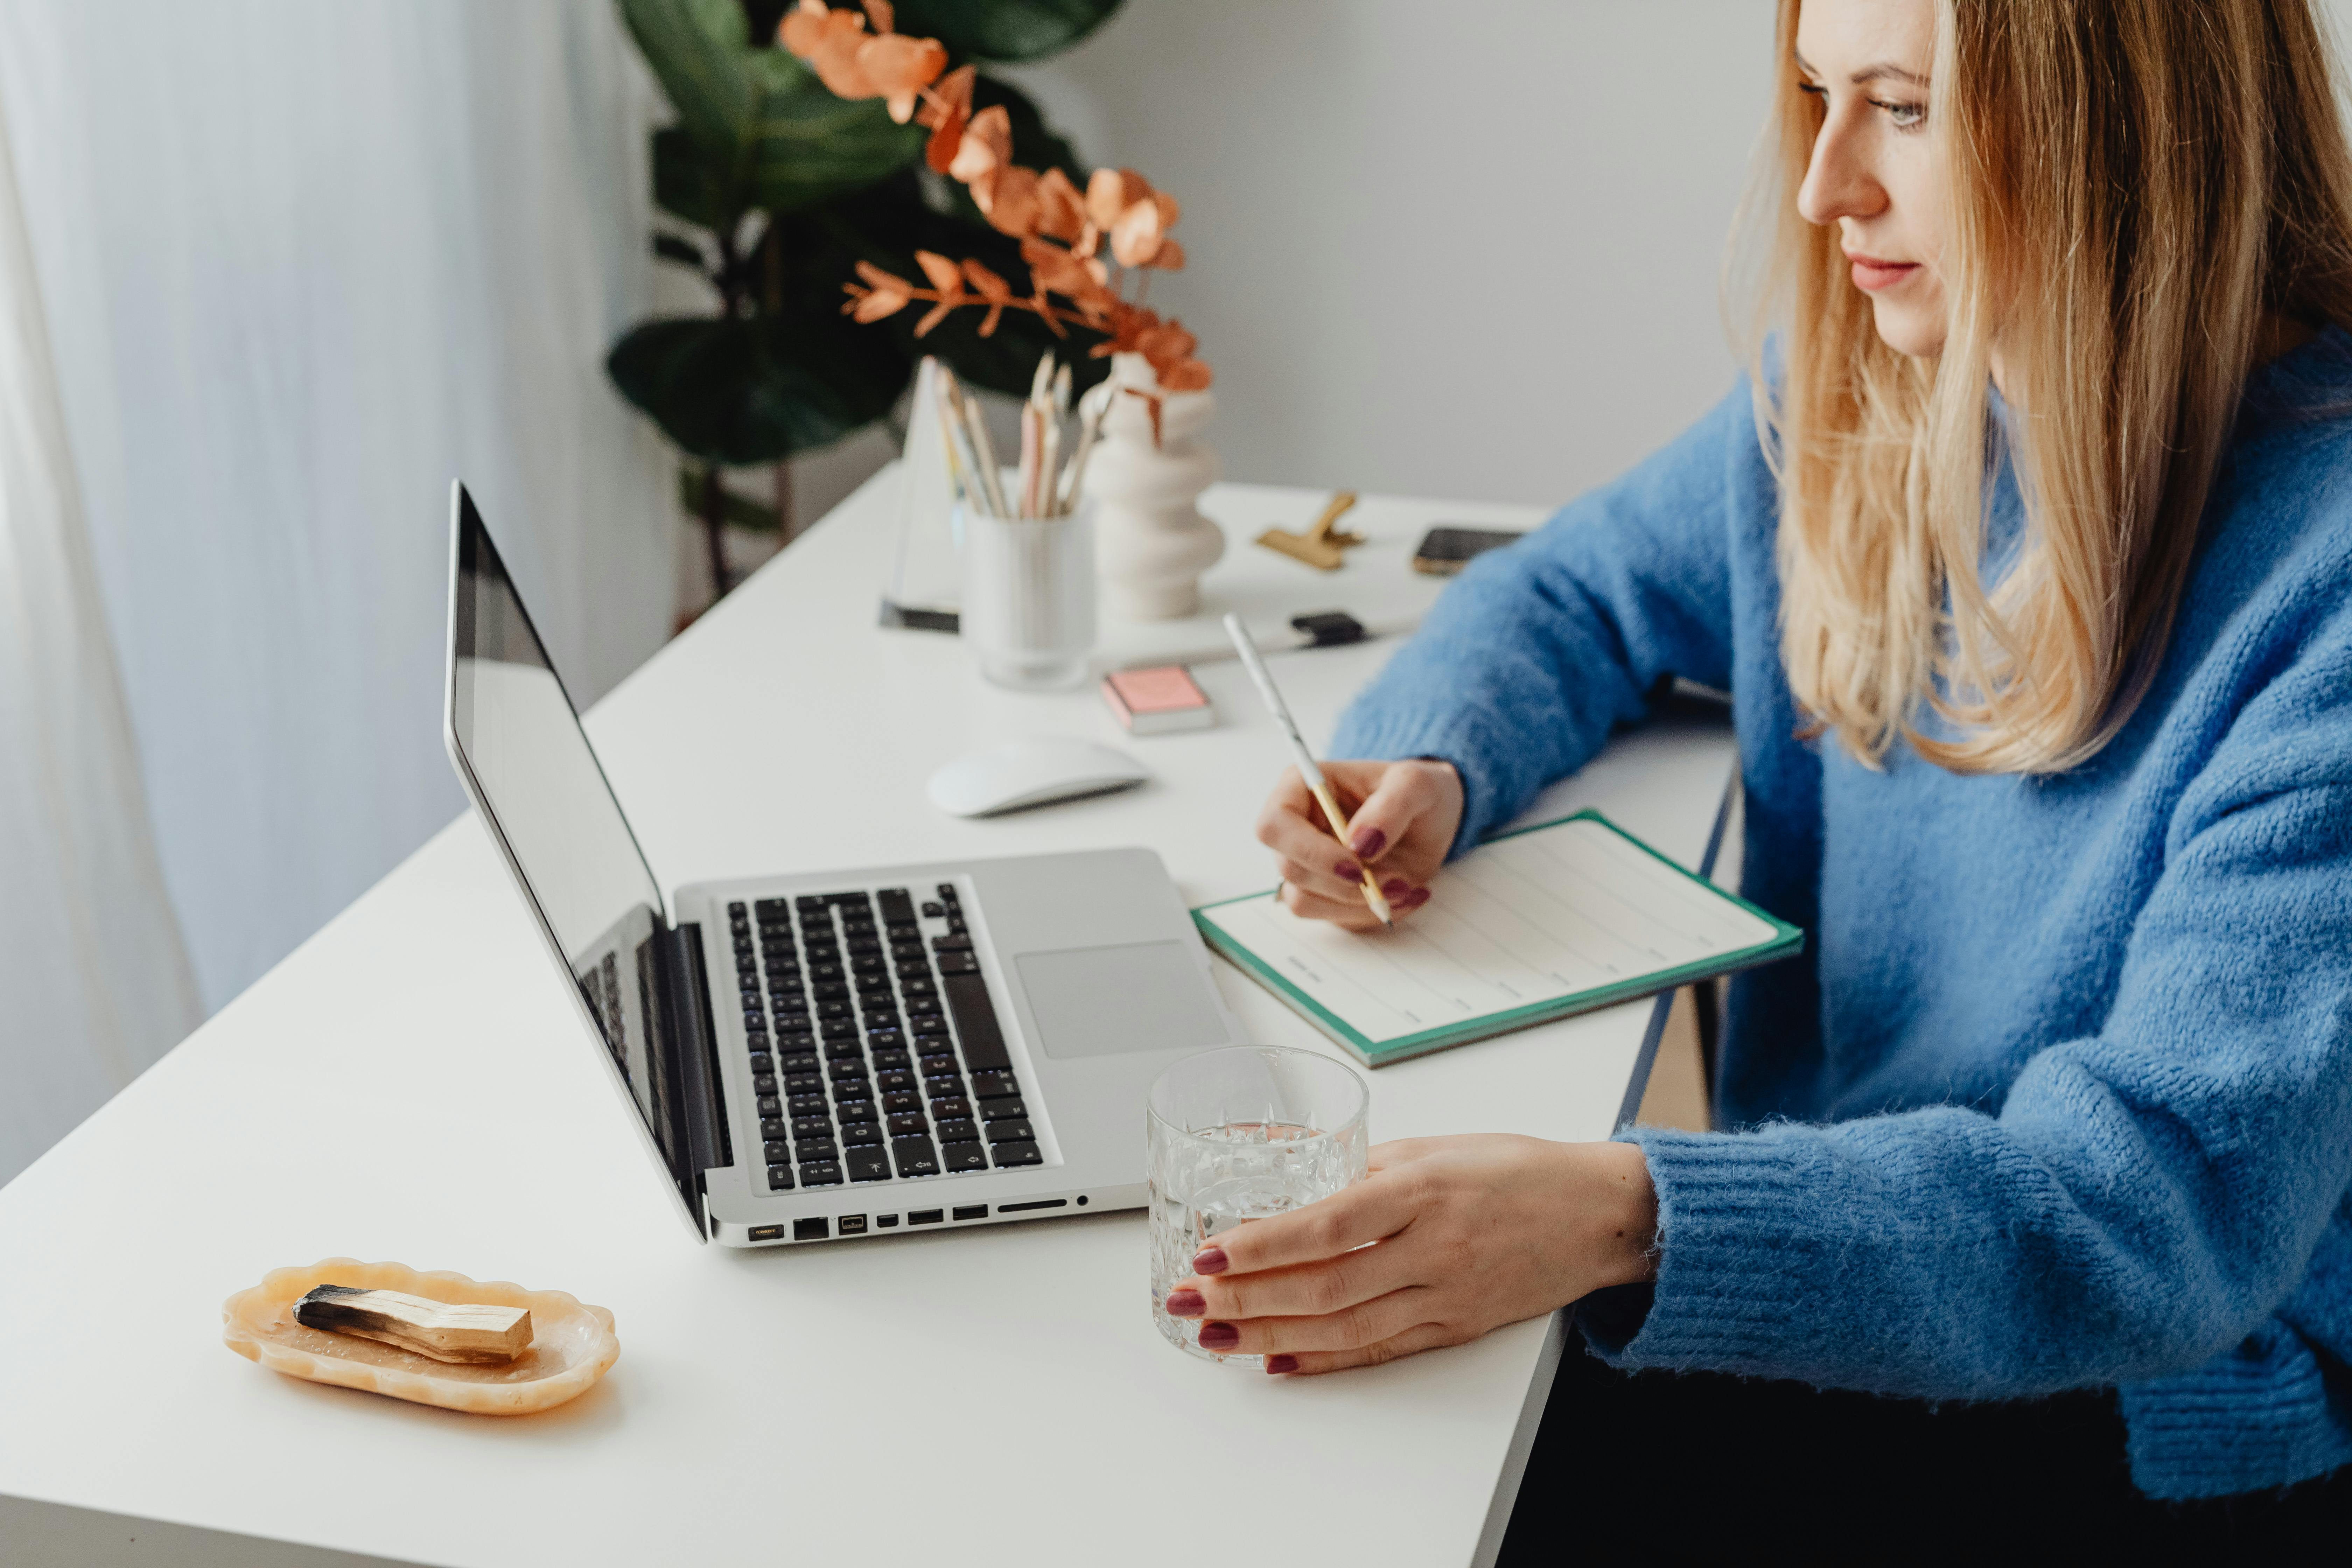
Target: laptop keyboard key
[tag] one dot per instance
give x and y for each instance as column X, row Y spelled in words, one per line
column 867, row 1165
column 975, row 1020
column 805, row 1105
column 994, row 1085
column 1017, row 1155
column 952, row 1108
column 780, row 1178
column 806, row 1127
column 1002, row 1110
column 821, row 1174
column 771, row 1127
column 907, row 1124
column 914, row 1157
column 959, row 1131
column 861, row 1129
column 890, row 1082
column 776, row 1151
column 847, row 1065
column 1013, row 1132
column 963, row 1156
column 903, row 1100
column 770, row 1106
column 959, row 964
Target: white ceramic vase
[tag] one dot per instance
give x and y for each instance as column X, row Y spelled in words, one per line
column 1151, row 544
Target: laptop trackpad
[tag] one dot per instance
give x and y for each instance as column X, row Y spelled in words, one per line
column 1107, row 1001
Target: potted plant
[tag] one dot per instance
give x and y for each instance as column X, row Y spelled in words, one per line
column 773, row 189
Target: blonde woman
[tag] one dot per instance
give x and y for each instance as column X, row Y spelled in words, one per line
column 2026, row 551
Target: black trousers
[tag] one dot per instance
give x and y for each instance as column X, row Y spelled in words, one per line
column 1655, row 1464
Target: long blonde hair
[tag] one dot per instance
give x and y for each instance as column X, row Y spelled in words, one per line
column 2137, row 187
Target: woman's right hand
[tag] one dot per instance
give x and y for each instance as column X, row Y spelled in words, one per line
column 1402, row 820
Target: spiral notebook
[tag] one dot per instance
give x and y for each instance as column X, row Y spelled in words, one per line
column 1535, row 924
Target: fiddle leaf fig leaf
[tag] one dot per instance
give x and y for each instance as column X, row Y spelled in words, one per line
column 739, row 392
column 1002, row 29
column 805, row 146
column 698, row 49
column 692, row 183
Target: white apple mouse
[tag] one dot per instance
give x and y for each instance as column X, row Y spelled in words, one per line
column 1022, row 774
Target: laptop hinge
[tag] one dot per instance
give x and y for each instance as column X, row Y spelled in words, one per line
column 702, row 1099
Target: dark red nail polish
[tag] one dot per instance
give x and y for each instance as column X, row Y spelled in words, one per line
column 1219, row 1336
column 1396, row 888
column 1210, row 1260
column 1370, row 842
column 1282, row 1363
column 1417, row 898
column 1347, row 870
column 1185, row 1304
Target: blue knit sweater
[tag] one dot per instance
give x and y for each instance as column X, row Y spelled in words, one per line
column 2060, row 1094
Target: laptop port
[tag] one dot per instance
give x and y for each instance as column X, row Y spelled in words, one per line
column 885, row 1221
column 972, row 1211
column 767, row 1233
column 1037, row 1204
column 853, row 1225
column 923, row 1216
column 811, row 1229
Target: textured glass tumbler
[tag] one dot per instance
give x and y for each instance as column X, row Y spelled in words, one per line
column 1243, row 1133
column 1028, row 612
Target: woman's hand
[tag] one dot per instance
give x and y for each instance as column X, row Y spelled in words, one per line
column 1466, row 1234
column 1402, row 820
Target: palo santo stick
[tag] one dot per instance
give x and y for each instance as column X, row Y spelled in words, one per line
column 445, row 1331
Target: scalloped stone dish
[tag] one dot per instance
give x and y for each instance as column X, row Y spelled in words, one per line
column 572, row 1343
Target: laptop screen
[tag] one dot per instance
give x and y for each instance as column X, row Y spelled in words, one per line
column 517, row 737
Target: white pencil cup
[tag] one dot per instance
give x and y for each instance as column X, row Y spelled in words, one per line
column 1028, row 613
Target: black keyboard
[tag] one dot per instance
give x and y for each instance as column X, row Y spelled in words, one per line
column 876, row 1051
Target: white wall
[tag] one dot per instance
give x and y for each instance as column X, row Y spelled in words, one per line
column 1442, row 249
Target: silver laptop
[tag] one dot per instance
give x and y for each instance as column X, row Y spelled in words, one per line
column 821, row 1055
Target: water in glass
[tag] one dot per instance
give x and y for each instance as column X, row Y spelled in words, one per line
column 1210, row 1174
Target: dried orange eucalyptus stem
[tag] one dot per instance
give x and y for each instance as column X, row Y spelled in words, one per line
column 1063, row 232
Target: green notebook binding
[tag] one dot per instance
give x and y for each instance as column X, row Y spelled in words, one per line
column 1532, row 925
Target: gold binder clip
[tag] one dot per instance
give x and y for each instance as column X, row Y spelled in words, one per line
column 1323, row 546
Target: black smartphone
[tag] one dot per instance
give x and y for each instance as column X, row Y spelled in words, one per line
column 1445, row 549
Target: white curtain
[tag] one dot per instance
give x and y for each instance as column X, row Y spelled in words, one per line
column 84, row 904
column 302, row 263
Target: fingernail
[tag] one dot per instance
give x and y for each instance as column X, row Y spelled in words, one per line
column 1347, row 870
column 1417, row 898
column 1219, row 1336
column 1282, row 1363
column 1210, row 1260
column 1368, row 843
column 1185, row 1304
column 1396, row 888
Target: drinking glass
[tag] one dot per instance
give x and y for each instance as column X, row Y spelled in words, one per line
column 1028, row 611
column 1237, row 1134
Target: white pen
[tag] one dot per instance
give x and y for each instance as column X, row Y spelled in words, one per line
column 1264, row 679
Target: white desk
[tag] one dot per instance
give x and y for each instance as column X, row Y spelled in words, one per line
column 948, row 1399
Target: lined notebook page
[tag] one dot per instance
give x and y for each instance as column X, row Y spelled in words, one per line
column 1535, row 918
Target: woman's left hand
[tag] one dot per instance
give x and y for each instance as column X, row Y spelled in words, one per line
column 1445, row 1239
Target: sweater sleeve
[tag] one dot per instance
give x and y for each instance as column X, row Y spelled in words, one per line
column 1537, row 649
column 2142, row 1200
